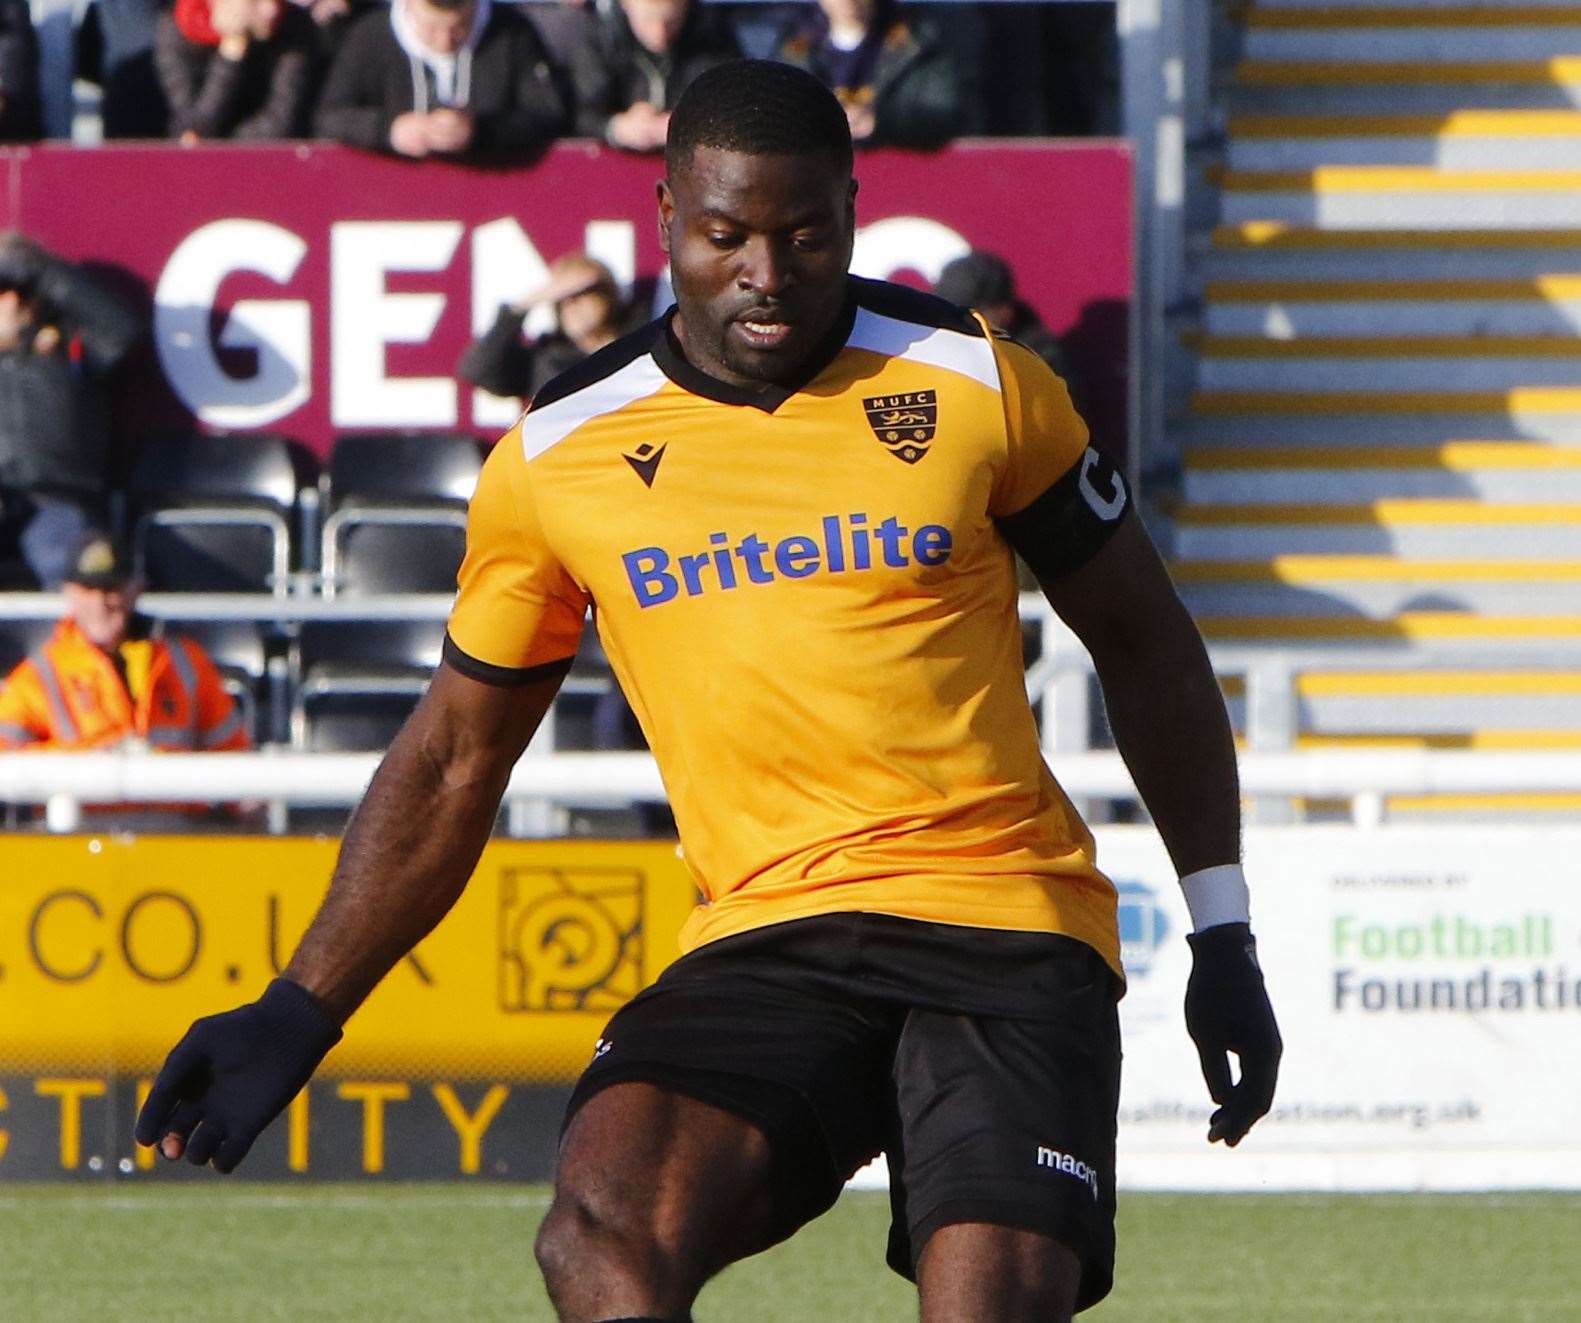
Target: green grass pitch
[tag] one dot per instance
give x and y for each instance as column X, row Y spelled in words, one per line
column 210, row 1251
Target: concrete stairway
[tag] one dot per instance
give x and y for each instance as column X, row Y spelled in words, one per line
column 1385, row 439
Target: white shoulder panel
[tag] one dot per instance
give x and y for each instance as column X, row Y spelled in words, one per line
column 548, row 426
column 971, row 356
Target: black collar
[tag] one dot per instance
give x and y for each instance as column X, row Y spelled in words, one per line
column 768, row 396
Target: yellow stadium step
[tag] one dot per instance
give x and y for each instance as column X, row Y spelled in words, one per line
column 1383, row 513
column 1520, row 400
column 1264, row 234
column 1390, row 346
column 1456, row 456
column 1405, row 627
column 1438, row 684
column 1309, row 17
column 1547, row 288
column 1452, row 124
column 1505, row 741
column 1374, row 569
column 1558, row 71
column 1396, row 179
column 1501, row 805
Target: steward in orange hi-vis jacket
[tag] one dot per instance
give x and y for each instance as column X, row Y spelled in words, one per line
column 102, row 680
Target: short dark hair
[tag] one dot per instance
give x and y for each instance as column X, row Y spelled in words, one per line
column 761, row 108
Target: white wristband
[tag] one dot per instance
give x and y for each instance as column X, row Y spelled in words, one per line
column 1217, row 895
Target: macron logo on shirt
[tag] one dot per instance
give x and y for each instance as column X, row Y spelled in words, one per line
column 844, row 544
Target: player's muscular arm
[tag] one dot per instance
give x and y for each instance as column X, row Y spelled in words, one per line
column 1169, row 721
column 407, row 855
column 1164, row 705
column 417, row 835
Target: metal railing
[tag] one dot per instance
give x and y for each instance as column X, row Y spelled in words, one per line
column 552, row 781
column 548, row 781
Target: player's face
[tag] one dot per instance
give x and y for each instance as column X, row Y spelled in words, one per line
column 759, row 247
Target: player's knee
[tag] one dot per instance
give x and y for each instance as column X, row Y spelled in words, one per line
column 568, row 1240
column 585, row 1239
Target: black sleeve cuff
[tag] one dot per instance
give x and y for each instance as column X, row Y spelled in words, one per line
column 1073, row 520
column 506, row 677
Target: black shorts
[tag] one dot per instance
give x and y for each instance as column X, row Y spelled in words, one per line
column 984, row 1063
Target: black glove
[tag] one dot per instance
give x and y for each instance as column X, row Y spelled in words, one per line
column 234, row 1073
column 1227, row 1010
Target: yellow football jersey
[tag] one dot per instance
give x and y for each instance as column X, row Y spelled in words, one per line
column 812, row 610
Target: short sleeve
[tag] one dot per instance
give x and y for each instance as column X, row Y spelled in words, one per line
column 1045, row 436
column 519, row 613
column 1059, row 499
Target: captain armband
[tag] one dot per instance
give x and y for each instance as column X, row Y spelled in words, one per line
column 1070, row 523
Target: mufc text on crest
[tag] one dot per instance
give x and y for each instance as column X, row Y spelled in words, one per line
column 904, row 423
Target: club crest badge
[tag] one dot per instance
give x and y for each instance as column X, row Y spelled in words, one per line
column 904, row 423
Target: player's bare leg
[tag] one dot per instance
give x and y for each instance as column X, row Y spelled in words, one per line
column 971, row 1272
column 654, row 1194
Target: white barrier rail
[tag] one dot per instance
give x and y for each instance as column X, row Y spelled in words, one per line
column 1273, row 774
column 593, row 780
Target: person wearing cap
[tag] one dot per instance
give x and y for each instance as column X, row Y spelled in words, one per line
column 107, row 678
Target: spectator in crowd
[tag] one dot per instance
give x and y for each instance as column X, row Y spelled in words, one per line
column 115, row 48
column 106, row 678
column 236, row 68
column 984, row 281
column 61, row 335
column 461, row 79
column 631, row 62
column 588, row 315
column 892, row 70
column 331, row 18
column 21, row 118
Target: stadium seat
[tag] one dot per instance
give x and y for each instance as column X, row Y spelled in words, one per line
column 20, row 637
column 406, row 468
column 396, row 512
column 237, row 648
column 357, row 723
column 211, row 514
column 393, row 551
column 358, row 681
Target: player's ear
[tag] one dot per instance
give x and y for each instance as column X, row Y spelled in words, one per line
column 666, row 213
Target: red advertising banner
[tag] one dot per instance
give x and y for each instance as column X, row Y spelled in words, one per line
column 309, row 289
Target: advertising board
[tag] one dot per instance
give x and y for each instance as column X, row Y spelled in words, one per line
column 1427, row 981
column 111, row 946
column 309, row 289
column 1428, row 987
